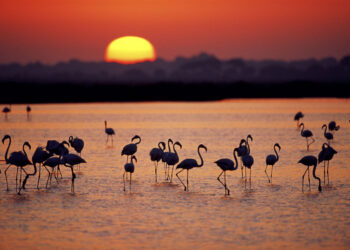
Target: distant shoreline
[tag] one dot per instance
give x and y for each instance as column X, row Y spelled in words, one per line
column 100, row 92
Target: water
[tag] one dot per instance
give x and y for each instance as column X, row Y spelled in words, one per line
column 101, row 215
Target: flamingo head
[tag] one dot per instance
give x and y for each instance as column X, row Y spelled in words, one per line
column 203, row 146
column 163, row 145
column 70, row 139
column 324, row 126
column 133, row 158
column 249, row 137
column 136, row 137
column 5, row 138
column 178, row 143
column 27, row 144
column 277, row 145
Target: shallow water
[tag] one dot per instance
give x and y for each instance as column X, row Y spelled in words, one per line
column 100, row 214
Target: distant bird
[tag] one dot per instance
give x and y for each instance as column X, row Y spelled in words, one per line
column 52, row 162
column 308, row 161
column 306, row 134
column 172, row 159
column 109, row 131
column 40, row 155
column 243, row 149
column 165, row 156
column 297, row 118
column 326, row 154
column 131, row 148
column 327, row 135
column 227, row 165
column 272, row 159
column 129, row 168
column 18, row 159
column 332, row 126
column 189, row 164
column 28, row 109
column 6, row 110
column 69, row 160
column 156, row 155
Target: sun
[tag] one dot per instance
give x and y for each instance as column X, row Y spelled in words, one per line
column 130, row 49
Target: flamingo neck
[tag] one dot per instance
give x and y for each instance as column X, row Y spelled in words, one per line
column 277, row 156
column 314, row 175
column 138, row 141
column 302, row 128
column 200, row 156
column 174, row 149
column 169, row 146
column 24, row 150
column 248, row 147
column 234, row 156
column 7, row 150
column 325, row 130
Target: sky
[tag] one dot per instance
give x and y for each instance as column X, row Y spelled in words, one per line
column 59, row 30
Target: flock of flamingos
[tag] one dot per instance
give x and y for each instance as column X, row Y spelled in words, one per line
column 56, row 154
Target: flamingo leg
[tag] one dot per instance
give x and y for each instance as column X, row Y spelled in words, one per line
column 20, row 180
column 165, row 170
column 37, row 185
column 172, row 173
column 177, row 174
column 271, row 172
column 226, row 188
column 124, row 180
column 187, row 181
column 302, row 179
column 324, row 173
column 250, row 175
column 267, row 174
column 307, row 144
column 308, row 172
column 328, row 172
column 47, row 182
column 130, row 182
column 221, row 181
column 73, row 177
column 6, row 177
column 155, row 169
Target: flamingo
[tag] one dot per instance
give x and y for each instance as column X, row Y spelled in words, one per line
column 6, row 110
column 54, row 147
column 40, row 155
column 129, row 168
column 69, row 160
column 18, row 159
column 28, row 109
column 109, row 131
column 297, row 118
column 326, row 154
column 172, row 159
column 327, row 135
column 52, row 162
column 156, row 155
column 272, row 159
column 165, row 156
column 332, row 126
column 131, row 148
column 77, row 144
column 306, row 134
column 189, row 164
column 243, row 149
column 308, row 161
column 227, row 165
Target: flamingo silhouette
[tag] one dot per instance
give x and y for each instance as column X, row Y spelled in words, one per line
column 28, row 109
column 129, row 168
column 40, row 155
column 109, row 131
column 18, row 159
column 297, row 118
column 243, row 149
column 77, row 144
column 248, row 162
column 227, row 165
column 272, row 159
column 156, row 155
column 165, row 156
column 52, row 162
column 189, row 164
column 332, row 126
column 57, row 148
column 131, row 148
column 308, row 161
column 69, row 161
column 327, row 135
column 326, row 154
column 6, row 110
column 172, row 159
column 306, row 134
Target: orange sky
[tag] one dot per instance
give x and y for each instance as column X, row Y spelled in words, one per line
column 58, row 30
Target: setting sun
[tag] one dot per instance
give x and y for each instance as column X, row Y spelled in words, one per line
column 130, row 49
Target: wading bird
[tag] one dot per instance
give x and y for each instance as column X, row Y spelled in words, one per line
column 272, row 159
column 297, row 118
column 28, row 109
column 6, row 110
column 172, row 159
column 308, row 161
column 156, row 155
column 243, row 149
column 69, row 160
column 129, row 168
column 227, row 165
column 165, row 156
column 326, row 154
column 327, row 135
column 248, row 162
column 40, row 155
column 59, row 149
column 77, row 144
column 189, row 164
column 109, row 131
column 52, row 162
column 131, row 148
column 332, row 126
column 18, row 159
column 306, row 134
